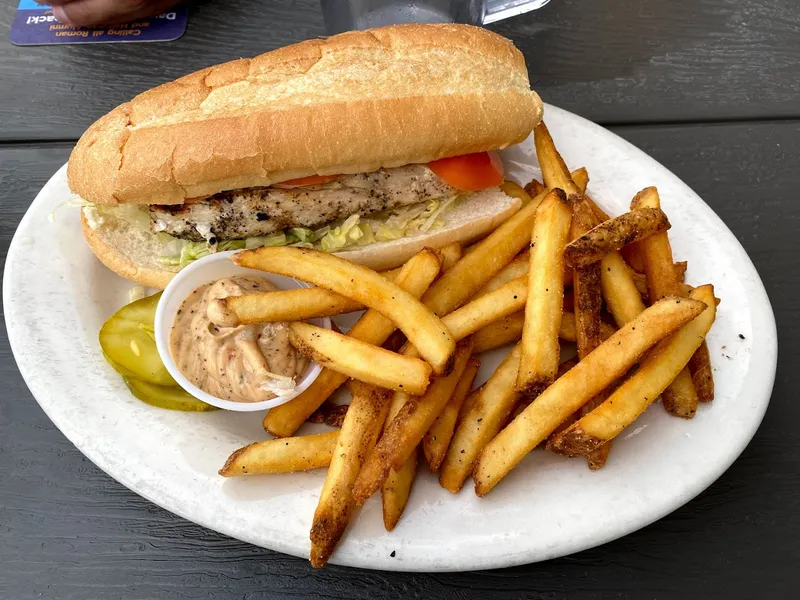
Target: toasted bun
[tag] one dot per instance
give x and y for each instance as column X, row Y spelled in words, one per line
column 351, row 103
column 133, row 254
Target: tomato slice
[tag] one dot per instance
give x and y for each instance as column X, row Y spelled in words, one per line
column 470, row 172
column 304, row 181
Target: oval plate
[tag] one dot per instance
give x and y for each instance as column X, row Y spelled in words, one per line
column 57, row 295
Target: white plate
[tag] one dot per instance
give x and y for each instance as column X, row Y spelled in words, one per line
column 57, row 295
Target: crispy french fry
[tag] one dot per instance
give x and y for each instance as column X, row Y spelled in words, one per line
column 619, row 290
column 502, row 332
column 282, row 456
column 584, row 381
column 283, row 305
column 488, row 414
column 482, row 263
column 487, row 309
column 633, row 257
column 515, row 269
column 586, row 284
column 702, row 376
column 614, row 234
column 329, row 414
column 554, row 171
column 540, row 347
column 580, row 177
column 515, row 190
column 535, row 187
column 631, row 399
column 680, row 270
column 373, row 328
column 438, row 437
column 563, row 368
column 680, row 397
column 397, row 487
column 588, row 301
column 359, row 360
column 396, row 490
column 509, row 330
column 407, row 429
column 451, row 254
column 423, row 328
column 359, row 432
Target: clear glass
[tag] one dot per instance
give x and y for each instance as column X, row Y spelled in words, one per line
column 344, row 15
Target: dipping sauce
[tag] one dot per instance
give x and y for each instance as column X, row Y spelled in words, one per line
column 247, row 363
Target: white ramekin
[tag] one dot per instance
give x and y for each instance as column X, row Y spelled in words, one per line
column 207, row 270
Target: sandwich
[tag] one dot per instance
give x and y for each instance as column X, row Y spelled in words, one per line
column 370, row 144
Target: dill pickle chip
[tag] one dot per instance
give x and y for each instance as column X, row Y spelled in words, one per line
column 129, row 344
column 170, row 397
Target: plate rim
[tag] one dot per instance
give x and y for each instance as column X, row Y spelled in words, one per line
column 411, row 564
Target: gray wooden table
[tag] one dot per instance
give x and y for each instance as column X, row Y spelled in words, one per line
column 711, row 88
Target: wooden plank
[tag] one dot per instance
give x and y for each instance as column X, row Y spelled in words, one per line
column 612, row 61
column 69, row 532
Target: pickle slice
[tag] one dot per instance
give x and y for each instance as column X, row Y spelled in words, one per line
column 129, row 344
column 165, row 396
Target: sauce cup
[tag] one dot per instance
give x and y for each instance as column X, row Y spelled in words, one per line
column 207, row 270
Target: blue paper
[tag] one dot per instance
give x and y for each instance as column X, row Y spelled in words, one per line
column 34, row 25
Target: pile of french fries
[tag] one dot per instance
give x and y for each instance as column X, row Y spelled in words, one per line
column 559, row 270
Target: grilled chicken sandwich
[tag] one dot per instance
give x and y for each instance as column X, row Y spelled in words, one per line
column 370, row 144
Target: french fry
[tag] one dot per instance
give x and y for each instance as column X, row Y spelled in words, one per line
column 633, row 257
column 397, row 489
column 360, row 430
column 359, row 360
column 423, row 328
column 283, row 305
column 680, row 270
column 407, row 429
column 535, row 187
column 588, row 300
column 563, row 368
column 515, row 269
column 372, row 328
column 489, row 412
column 631, row 399
column 702, row 376
column 619, row 290
column 451, row 254
column 509, row 330
column 487, row 309
column 584, row 381
column 515, row 190
column 580, row 177
column 554, row 171
column 680, row 397
column 282, row 456
column 329, row 414
column 481, row 264
column 540, row 346
column 502, row 332
column 438, row 437
column 614, row 234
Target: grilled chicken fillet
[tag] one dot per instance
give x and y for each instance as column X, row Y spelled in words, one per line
column 252, row 212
